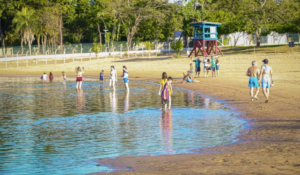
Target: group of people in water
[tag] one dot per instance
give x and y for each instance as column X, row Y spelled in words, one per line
column 265, row 74
column 212, row 65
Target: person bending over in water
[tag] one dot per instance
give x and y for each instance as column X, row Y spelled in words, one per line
column 165, row 94
column 253, row 73
column 266, row 74
column 64, row 77
column 113, row 77
column 125, row 78
column 79, row 72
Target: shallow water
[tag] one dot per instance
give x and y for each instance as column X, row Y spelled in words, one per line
column 51, row 128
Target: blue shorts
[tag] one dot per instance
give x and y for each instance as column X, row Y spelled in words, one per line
column 253, row 82
column 188, row 80
column 266, row 82
column 217, row 67
column 101, row 78
column 191, row 71
column 126, row 80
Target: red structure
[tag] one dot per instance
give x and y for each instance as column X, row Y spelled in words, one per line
column 205, row 39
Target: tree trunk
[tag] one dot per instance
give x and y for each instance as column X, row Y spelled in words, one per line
column 38, row 43
column 22, row 50
column 258, row 32
column 61, row 34
column 29, row 47
column 118, row 31
column 99, row 31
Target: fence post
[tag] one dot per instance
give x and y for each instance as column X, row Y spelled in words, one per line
column 142, row 52
column 18, row 53
column 90, row 54
column 135, row 51
column 105, row 52
column 121, row 52
column 26, row 52
column 12, row 52
column 254, row 49
column 156, row 49
column 17, row 63
column 55, row 55
column 64, row 56
column 81, row 47
column 113, row 52
column 169, row 48
column 6, row 62
column 36, row 58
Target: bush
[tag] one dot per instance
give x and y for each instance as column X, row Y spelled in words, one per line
column 177, row 46
column 149, row 46
column 97, row 48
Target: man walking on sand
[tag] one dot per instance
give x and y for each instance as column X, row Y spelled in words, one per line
column 253, row 73
column 266, row 73
column 197, row 66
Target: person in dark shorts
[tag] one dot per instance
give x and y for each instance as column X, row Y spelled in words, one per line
column 197, row 66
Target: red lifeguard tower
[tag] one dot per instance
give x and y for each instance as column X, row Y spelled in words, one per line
column 205, row 34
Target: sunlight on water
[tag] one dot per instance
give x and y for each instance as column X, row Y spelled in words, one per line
column 51, row 128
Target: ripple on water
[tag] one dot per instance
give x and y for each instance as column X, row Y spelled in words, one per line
column 48, row 127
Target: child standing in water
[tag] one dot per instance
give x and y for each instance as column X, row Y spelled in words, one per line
column 64, row 77
column 79, row 72
column 102, row 76
column 113, row 77
column 44, row 77
column 126, row 79
column 162, row 83
column 165, row 94
column 51, row 77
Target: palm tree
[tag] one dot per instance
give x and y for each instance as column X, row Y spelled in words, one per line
column 26, row 22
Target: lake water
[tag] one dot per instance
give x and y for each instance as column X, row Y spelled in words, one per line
column 50, row 128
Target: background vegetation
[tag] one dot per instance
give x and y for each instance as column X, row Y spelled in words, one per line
column 59, row 22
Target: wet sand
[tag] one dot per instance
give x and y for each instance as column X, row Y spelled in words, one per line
column 269, row 146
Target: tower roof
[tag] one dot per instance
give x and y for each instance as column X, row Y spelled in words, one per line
column 206, row 23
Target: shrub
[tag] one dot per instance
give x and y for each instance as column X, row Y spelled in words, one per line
column 177, row 46
column 97, row 48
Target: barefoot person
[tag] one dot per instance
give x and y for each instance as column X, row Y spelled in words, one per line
column 266, row 74
column 113, row 77
column 165, row 94
column 101, row 76
column 253, row 73
column 51, row 77
column 44, row 77
column 213, row 66
column 197, row 66
column 205, row 65
column 162, row 83
column 217, row 65
column 79, row 71
column 64, row 77
column 125, row 78
column 191, row 71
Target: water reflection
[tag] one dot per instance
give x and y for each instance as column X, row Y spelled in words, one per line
column 55, row 129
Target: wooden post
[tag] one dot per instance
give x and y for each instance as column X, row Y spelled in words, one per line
column 17, row 63
column 90, row 54
column 6, row 62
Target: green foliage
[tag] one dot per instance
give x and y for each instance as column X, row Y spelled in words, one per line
column 149, row 45
column 177, row 46
column 97, row 48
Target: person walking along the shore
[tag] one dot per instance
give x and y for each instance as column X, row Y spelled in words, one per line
column 79, row 71
column 253, row 73
column 197, row 66
column 213, row 66
column 266, row 72
column 217, row 65
column 125, row 78
column 113, row 77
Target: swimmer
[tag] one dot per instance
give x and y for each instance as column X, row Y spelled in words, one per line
column 79, row 72
column 266, row 74
column 253, row 73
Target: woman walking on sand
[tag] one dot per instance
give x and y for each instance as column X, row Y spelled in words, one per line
column 125, row 78
column 51, row 77
column 79, row 71
column 113, row 77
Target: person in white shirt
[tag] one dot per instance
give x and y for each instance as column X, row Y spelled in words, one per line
column 113, row 77
column 266, row 75
column 44, row 77
column 205, row 65
column 126, row 79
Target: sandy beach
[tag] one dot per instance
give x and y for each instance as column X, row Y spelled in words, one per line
column 271, row 143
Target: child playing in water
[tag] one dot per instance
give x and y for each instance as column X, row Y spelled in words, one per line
column 51, row 77
column 125, row 77
column 79, row 71
column 102, row 76
column 64, row 77
column 165, row 94
column 44, row 77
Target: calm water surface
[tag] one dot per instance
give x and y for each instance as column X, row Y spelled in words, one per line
column 50, row 128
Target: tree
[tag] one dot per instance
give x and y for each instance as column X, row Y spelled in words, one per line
column 177, row 46
column 26, row 22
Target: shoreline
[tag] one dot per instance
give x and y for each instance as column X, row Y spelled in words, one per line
column 270, row 146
